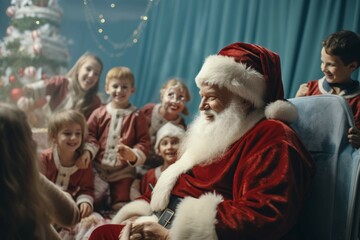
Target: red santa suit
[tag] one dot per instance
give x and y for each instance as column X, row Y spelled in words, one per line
column 264, row 174
column 351, row 93
column 62, row 97
column 257, row 187
column 78, row 182
column 107, row 127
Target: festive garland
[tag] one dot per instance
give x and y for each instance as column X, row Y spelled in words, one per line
column 104, row 41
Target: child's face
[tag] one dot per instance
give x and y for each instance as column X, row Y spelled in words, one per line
column 69, row 138
column 168, row 148
column 89, row 74
column 173, row 100
column 334, row 69
column 120, row 90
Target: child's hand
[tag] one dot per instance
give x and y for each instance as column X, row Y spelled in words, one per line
column 85, row 209
column 126, row 153
column 354, row 137
column 83, row 161
column 302, row 90
column 26, row 104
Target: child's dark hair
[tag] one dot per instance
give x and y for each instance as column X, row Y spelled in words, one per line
column 344, row 44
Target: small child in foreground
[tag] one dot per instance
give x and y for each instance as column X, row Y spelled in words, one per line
column 168, row 140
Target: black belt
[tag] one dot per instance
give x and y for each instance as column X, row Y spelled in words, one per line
column 167, row 216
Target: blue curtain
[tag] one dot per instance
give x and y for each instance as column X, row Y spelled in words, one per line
column 180, row 34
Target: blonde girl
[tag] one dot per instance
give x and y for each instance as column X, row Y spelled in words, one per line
column 76, row 90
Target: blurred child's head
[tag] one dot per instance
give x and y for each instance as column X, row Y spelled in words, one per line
column 120, row 85
column 22, row 200
column 168, row 139
column 68, row 130
column 17, row 148
column 173, row 95
column 340, row 56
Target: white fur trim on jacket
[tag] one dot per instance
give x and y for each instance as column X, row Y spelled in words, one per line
column 196, row 218
column 281, row 110
column 164, row 185
column 225, row 72
column 134, row 208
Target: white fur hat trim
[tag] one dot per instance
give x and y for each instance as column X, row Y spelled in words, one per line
column 168, row 130
column 224, row 71
column 281, row 110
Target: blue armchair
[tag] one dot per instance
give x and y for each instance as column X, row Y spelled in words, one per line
column 332, row 208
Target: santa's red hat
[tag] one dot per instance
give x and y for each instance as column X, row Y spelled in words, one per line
column 252, row 72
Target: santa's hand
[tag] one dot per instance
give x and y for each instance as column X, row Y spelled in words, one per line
column 302, row 90
column 125, row 232
column 354, row 137
column 149, row 230
column 26, row 104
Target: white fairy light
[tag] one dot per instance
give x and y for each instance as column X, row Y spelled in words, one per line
column 112, row 47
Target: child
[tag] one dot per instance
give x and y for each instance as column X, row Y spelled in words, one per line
column 67, row 130
column 76, row 90
column 118, row 139
column 173, row 96
column 340, row 57
column 167, row 144
column 29, row 202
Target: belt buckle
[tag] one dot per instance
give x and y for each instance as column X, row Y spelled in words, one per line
column 166, row 217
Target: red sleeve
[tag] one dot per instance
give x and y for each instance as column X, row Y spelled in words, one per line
column 93, row 131
column 135, row 132
column 269, row 190
column 95, row 104
column 142, row 133
column 147, row 111
column 86, row 182
column 148, row 178
column 46, row 164
column 313, row 88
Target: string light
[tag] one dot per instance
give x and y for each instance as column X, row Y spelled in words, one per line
column 97, row 22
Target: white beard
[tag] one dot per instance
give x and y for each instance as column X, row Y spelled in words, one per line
column 206, row 140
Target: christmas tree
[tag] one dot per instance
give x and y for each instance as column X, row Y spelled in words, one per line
column 33, row 48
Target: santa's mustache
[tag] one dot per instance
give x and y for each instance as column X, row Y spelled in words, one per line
column 208, row 113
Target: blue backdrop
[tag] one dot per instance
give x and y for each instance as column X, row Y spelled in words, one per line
column 174, row 36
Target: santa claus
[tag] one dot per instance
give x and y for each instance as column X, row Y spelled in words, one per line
column 242, row 174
